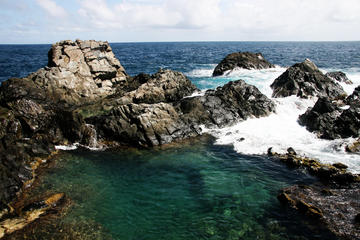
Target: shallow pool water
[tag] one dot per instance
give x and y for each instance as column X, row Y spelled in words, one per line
column 193, row 191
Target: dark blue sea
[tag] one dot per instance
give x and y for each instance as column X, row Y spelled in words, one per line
column 213, row 188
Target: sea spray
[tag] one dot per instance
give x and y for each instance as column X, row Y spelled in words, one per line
column 281, row 130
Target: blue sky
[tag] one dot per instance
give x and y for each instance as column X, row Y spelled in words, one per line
column 49, row 21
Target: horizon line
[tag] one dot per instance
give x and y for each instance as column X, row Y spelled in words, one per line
column 190, row 41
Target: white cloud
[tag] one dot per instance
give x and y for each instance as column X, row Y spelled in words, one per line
column 177, row 20
column 52, row 8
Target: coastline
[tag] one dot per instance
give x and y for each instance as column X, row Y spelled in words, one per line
column 173, row 117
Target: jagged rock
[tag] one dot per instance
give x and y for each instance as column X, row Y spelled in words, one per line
column 331, row 122
column 339, row 76
column 80, row 72
column 335, row 211
column 245, row 60
column 154, row 124
column 142, row 124
column 233, row 102
column 354, row 98
column 305, row 80
column 164, row 86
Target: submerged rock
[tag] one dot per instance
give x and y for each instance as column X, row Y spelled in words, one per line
column 337, row 210
column 245, row 60
column 339, row 76
column 17, row 219
column 306, row 80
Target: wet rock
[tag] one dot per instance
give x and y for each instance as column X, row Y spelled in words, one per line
column 339, row 76
column 335, row 174
column 354, row 98
column 233, row 102
column 291, row 151
column 336, row 211
column 353, row 147
column 245, row 60
column 340, row 166
column 22, row 217
column 330, row 121
column 306, row 80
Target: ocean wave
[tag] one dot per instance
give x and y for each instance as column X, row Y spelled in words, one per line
column 281, row 131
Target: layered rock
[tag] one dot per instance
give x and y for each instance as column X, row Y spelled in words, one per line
column 80, row 71
column 330, row 121
column 246, row 60
column 339, row 76
column 306, row 80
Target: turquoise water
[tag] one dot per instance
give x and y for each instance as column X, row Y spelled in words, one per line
column 194, row 191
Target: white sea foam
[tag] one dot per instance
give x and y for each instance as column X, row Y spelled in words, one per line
column 206, row 71
column 281, row 129
column 67, row 147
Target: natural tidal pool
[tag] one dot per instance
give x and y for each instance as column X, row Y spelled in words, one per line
column 194, row 190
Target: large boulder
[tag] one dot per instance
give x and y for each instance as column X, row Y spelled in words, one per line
column 339, row 76
column 235, row 101
column 245, row 60
column 330, row 121
column 80, row 72
column 36, row 112
column 306, row 80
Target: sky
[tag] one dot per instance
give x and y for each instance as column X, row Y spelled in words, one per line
column 49, row 21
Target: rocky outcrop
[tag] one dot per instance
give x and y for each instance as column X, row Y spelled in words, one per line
column 354, row 98
column 306, row 80
column 245, row 60
column 80, row 72
column 235, row 101
column 330, row 121
column 333, row 202
column 333, row 207
column 144, row 124
column 85, row 96
column 14, row 219
column 339, row 76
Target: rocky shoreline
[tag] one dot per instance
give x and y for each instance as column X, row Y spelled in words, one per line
column 85, row 96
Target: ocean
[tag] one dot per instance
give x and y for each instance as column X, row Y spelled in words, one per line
column 218, row 188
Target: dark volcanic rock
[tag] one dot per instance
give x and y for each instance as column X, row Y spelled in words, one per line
column 233, row 102
column 339, row 76
column 331, row 122
column 245, row 60
column 305, row 80
column 143, row 124
column 354, row 98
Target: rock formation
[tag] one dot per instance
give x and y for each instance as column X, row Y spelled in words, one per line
column 336, row 208
column 171, row 117
column 84, row 96
column 245, row 60
column 330, row 121
column 339, row 76
column 305, row 80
